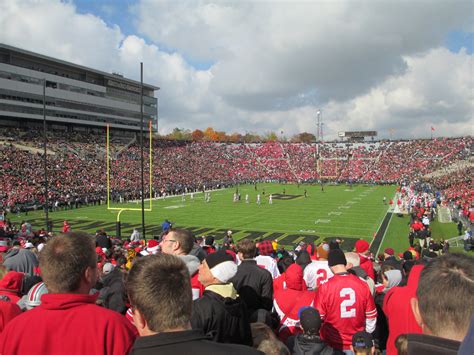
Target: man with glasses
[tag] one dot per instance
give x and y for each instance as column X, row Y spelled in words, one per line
column 180, row 242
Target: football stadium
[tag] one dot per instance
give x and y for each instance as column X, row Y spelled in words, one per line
column 142, row 241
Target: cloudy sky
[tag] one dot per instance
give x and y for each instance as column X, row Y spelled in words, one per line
column 259, row 66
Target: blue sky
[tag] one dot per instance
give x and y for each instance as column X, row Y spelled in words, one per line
column 456, row 40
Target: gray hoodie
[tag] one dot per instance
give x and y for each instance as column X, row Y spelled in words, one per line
column 192, row 262
column 20, row 260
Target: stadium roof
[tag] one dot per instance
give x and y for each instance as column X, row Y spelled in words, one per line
column 77, row 66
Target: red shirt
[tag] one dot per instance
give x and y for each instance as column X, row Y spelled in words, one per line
column 345, row 304
column 397, row 308
column 367, row 265
column 68, row 324
column 8, row 311
column 196, row 286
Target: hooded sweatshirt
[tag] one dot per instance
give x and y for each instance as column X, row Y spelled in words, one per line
column 397, row 308
column 192, row 263
column 367, row 265
column 20, row 260
column 10, row 285
column 394, row 277
column 8, row 311
column 287, row 302
column 68, row 324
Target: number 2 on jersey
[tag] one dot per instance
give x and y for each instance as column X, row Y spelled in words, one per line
column 346, row 310
column 322, row 276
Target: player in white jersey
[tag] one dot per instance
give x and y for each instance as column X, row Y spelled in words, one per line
column 246, row 198
column 270, row 199
column 258, row 199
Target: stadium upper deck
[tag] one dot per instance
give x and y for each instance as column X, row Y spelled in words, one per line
column 75, row 95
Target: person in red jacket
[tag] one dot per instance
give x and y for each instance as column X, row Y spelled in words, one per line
column 68, row 321
column 8, row 311
column 362, row 248
column 10, row 286
column 397, row 309
column 288, row 301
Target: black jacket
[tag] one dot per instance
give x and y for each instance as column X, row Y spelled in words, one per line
column 380, row 333
column 255, row 285
column 224, row 319
column 422, row 344
column 103, row 241
column 308, row 345
column 186, row 342
column 112, row 294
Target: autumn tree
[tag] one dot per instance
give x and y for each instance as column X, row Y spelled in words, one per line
column 270, row 136
column 179, row 134
column 235, row 137
column 304, row 137
column 197, row 135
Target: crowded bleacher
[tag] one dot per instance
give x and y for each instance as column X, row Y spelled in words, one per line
column 180, row 293
column 77, row 165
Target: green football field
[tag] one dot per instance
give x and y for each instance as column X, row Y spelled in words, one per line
column 340, row 211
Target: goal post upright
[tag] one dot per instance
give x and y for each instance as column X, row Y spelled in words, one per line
column 122, row 209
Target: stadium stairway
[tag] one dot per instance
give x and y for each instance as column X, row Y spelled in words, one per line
column 288, row 161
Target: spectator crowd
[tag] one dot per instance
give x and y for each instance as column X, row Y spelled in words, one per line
column 179, row 293
column 77, row 167
column 75, row 293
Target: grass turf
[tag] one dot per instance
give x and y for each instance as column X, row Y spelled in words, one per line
column 349, row 212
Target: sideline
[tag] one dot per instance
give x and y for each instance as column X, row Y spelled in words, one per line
column 384, row 234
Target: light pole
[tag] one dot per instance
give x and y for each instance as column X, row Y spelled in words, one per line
column 318, row 125
column 142, row 165
column 45, row 160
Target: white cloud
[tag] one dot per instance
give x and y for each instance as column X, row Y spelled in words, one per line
column 428, row 94
column 368, row 65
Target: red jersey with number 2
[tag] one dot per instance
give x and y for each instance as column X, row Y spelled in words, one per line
column 345, row 303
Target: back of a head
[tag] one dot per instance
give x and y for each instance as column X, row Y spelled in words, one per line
column 248, row 248
column 353, row 258
column 310, row 320
column 185, row 239
column 273, row 347
column 64, row 259
column 159, row 288
column 362, row 343
column 260, row 332
column 303, row 259
column 446, row 285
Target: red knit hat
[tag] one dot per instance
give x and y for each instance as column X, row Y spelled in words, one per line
column 152, row 243
column 361, row 246
column 389, row 251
